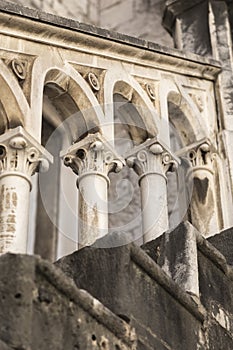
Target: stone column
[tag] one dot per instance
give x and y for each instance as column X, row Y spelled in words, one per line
column 151, row 161
column 20, row 157
column 204, row 27
column 203, row 206
column 92, row 159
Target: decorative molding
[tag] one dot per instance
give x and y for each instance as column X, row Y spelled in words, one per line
column 106, row 44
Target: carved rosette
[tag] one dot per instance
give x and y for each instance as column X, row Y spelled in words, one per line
column 93, row 155
column 93, row 81
column 150, row 92
column 19, row 67
column 151, row 158
column 21, row 155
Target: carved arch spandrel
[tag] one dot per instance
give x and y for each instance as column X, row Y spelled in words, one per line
column 202, row 99
column 94, row 76
column 15, row 110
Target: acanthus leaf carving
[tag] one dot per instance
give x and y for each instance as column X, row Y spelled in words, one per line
column 151, row 157
column 93, row 155
column 21, row 154
column 200, row 156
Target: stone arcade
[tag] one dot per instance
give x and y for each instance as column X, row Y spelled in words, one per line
column 173, row 288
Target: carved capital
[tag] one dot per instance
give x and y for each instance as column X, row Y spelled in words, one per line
column 151, row 157
column 200, row 155
column 92, row 155
column 22, row 155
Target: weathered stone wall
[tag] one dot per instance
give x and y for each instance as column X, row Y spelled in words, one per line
column 165, row 314
column 40, row 308
column 140, row 307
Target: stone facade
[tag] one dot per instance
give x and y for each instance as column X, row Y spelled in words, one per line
column 55, row 87
column 101, row 102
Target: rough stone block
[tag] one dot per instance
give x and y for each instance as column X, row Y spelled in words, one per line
column 41, row 308
column 128, row 282
column 16, row 289
column 224, row 243
column 197, row 39
column 4, row 346
column 216, row 287
column 176, row 253
column 217, row 336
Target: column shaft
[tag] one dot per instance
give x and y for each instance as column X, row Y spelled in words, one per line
column 154, row 206
column 14, row 207
column 20, row 157
column 151, row 161
column 92, row 159
column 93, row 208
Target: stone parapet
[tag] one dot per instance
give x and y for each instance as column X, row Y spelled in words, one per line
column 157, row 301
column 41, row 308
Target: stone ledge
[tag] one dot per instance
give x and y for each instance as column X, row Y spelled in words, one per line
column 206, row 247
column 39, row 16
column 41, row 308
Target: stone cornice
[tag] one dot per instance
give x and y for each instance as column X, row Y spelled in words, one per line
column 17, row 21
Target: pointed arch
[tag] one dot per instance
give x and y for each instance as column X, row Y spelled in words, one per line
column 181, row 112
column 142, row 118
column 72, row 96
